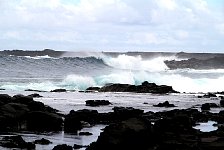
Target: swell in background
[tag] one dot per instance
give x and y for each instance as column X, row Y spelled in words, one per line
column 82, row 70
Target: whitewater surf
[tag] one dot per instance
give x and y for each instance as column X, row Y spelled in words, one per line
column 80, row 70
column 26, row 72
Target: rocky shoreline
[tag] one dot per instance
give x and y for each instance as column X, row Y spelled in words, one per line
column 145, row 87
column 193, row 63
column 127, row 127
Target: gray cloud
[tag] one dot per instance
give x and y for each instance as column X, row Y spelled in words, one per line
column 162, row 25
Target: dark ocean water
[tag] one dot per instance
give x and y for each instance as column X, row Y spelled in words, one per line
column 77, row 72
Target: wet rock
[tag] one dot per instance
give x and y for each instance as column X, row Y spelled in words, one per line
column 43, row 141
column 122, row 113
column 194, row 63
column 212, row 143
column 85, row 133
column 131, row 134
column 11, row 116
column 16, row 142
column 49, row 52
column 62, row 147
column 89, row 89
column 205, row 107
column 43, row 121
column 94, row 103
column 36, row 106
column 209, row 95
column 23, row 113
column 59, row 90
column 146, row 87
column 200, row 96
column 222, row 102
column 31, row 90
column 174, row 132
column 76, row 146
column 72, row 122
column 15, row 110
column 115, row 88
column 169, row 130
column 35, row 95
column 220, row 119
column 5, row 98
column 208, row 106
column 22, row 99
column 118, row 114
column 164, row 104
column 178, row 123
column 222, row 93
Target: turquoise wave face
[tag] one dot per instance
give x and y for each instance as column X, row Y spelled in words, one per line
column 78, row 73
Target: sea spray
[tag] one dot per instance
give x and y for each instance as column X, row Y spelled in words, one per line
column 77, row 82
column 79, row 73
column 136, row 63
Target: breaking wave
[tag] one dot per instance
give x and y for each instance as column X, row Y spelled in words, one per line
column 79, row 73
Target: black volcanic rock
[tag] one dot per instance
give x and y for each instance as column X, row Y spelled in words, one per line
column 43, row 121
column 130, row 134
column 222, row 102
column 200, row 56
column 35, row 95
column 115, row 88
column 62, row 147
column 85, row 133
column 44, row 52
column 146, row 87
column 209, row 95
column 22, row 99
column 205, row 106
column 5, row 98
column 164, row 104
column 23, row 113
column 170, row 130
column 59, row 90
column 208, row 106
column 76, row 146
column 75, row 119
column 194, row 63
column 138, row 133
column 42, row 142
column 92, row 89
column 31, row 90
column 16, row 142
column 94, row 103
column 127, row 111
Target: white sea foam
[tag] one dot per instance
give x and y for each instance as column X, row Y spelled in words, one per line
column 84, row 54
column 43, row 86
column 39, row 57
column 78, row 82
column 136, row 63
column 132, row 70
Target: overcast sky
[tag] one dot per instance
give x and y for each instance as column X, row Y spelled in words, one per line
column 113, row 25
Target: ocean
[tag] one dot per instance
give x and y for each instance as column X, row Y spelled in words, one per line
column 77, row 71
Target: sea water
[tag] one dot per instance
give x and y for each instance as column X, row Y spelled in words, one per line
column 77, row 73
